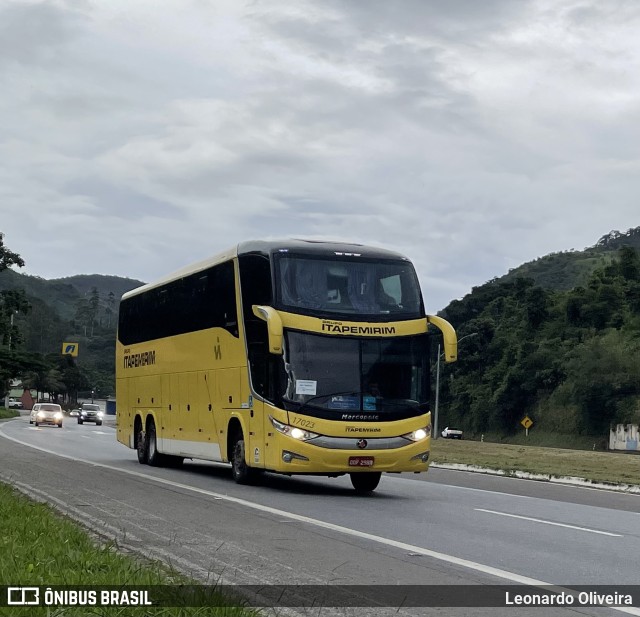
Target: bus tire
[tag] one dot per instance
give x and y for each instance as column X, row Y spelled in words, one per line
column 365, row 482
column 154, row 458
column 141, row 447
column 242, row 473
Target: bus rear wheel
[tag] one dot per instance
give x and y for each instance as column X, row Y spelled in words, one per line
column 365, row 482
column 141, row 447
column 154, row 458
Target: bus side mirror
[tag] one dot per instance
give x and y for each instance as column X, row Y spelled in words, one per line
column 274, row 326
column 448, row 335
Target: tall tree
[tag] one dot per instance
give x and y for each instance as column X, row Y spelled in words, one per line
column 7, row 257
column 10, row 303
column 109, row 310
column 94, row 306
column 629, row 263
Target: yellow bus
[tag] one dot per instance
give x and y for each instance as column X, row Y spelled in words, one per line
column 294, row 357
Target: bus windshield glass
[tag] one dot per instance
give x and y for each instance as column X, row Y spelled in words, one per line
column 348, row 287
column 356, row 379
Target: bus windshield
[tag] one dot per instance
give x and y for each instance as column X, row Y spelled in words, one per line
column 356, row 379
column 348, row 287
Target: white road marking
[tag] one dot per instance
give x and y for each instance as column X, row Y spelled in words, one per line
column 552, row 482
column 573, row 482
column 539, row 520
column 403, row 546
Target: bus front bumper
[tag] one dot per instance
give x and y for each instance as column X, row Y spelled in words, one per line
column 288, row 455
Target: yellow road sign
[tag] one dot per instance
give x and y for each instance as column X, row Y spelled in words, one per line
column 527, row 422
column 70, row 349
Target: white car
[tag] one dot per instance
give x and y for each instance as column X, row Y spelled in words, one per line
column 46, row 413
column 15, row 404
column 452, row 433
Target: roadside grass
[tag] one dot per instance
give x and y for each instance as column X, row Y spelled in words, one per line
column 8, row 413
column 545, row 439
column 607, row 467
column 40, row 547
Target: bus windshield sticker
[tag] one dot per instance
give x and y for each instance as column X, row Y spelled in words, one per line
column 344, row 402
column 306, row 386
column 368, row 403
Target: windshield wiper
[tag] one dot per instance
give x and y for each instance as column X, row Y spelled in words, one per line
column 397, row 402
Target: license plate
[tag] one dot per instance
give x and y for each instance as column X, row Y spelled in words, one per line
column 361, row 461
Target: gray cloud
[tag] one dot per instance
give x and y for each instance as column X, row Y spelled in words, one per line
column 36, row 33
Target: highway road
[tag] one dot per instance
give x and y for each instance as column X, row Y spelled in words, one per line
column 442, row 528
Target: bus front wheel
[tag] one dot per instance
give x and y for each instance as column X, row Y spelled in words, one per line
column 365, row 482
column 242, row 473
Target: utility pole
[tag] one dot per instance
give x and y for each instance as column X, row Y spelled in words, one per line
column 435, row 411
column 10, row 330
column 6, row 398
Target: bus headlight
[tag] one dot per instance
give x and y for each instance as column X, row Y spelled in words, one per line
column 292, row 431
column 419, row 434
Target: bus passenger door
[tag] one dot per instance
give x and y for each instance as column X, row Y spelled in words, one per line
column 255, row 439
column 251, row 412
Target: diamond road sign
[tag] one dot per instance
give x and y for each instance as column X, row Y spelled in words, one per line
column 527, row 422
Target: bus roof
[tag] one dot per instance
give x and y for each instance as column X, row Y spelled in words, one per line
column 315, row 247
column 269, row 247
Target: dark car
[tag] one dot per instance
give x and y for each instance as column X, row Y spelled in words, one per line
column 90, row 413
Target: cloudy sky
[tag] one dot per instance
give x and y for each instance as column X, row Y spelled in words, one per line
column 137, row 136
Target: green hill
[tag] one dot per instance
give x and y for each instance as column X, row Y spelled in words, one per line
column 84, row 283
column 568, row 269
column 557, row 340
column 81, row 309
column 62, row 295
